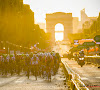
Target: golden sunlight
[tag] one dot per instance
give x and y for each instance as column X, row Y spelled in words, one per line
column 59, row 29
column 59, row 36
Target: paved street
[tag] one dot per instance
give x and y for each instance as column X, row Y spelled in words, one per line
column 22, row 83
column 89, row 74
column 35, row 35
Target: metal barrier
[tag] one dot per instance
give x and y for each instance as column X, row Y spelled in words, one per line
column 93, row 59
column 73, row 79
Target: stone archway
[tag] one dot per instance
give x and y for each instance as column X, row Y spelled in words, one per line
column 59, row 17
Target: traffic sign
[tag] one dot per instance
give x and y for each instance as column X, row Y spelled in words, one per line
column 88, row 44
column 97, row 38
column 2, row 51
column 76, row 42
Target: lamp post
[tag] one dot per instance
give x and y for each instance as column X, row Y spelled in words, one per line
column 1, row 44
column 7, row 47
column 20, row 48
column 4, row 44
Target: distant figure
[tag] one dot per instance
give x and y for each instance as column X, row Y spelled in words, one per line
column 76, row 56
column 81, row 53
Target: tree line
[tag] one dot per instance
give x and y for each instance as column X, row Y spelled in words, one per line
column 17, row 25
column 87, row 33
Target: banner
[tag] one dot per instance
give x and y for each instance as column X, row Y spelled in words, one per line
column 3, row 51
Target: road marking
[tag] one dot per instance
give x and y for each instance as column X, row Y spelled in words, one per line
column 18, row 81
column 84, row 78
column 97, row 77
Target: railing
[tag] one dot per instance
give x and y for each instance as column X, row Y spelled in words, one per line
column 93, row 59
column 73, row 79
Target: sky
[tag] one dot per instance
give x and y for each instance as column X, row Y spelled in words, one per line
column 41, row 7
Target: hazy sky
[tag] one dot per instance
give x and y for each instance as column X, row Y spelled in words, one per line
column 41, row 7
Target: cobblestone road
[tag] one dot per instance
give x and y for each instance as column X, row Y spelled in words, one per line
column 22, row 83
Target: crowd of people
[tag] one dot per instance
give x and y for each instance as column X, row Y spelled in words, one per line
column 39, row 64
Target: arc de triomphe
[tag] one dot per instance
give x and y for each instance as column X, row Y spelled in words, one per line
column 65, row 19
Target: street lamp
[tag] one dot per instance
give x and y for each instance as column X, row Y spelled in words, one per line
column 1, row 44
column 20, row 48
column 4, row 48
column 38, row 43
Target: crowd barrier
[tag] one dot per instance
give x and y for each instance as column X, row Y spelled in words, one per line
column 73, row 79
column 93, row 60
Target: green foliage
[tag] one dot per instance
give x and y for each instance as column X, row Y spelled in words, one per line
column 93, row 30
column 76, row 36
column 87, row 33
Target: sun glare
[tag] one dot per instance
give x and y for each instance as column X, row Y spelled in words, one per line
column 59, row 29
column 59, row 36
